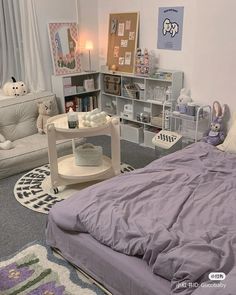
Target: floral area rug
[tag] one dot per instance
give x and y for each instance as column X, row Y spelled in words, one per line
column 37, row 271
column 33, row 189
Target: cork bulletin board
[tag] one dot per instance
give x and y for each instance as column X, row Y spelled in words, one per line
column 122, row 41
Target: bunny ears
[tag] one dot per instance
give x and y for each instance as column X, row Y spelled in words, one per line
column 218, row 111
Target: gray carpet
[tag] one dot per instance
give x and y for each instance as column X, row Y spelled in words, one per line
column 19, row 225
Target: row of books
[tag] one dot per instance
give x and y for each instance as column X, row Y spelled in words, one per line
column 81, row 104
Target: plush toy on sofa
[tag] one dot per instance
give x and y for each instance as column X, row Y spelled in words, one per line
column 182, row 101
column 216, row 135
column 45, row 111
column 14, row 88
column 5, row 144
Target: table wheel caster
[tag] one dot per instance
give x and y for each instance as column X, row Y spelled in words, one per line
column 54, row 190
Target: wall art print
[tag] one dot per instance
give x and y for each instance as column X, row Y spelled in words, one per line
column 170, row 28
column 63, row 39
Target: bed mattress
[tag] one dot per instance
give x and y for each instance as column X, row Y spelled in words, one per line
column 119, row 273
column 177, row 213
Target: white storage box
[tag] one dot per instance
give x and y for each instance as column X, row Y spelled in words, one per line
column 126, row 115
column 66, row 81
column 89, row 85
column 69, row 90
column 131, row 133
column 148, row 136
column 80, row 89
column 128, row 108
column 141, row 94
column 156, row 121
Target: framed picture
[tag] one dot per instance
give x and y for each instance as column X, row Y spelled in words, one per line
column 63, row 39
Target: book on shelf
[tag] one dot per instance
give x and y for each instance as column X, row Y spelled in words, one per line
column 95, row 102
column 86, row 103
column 91, row 103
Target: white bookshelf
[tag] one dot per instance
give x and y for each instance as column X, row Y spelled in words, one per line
column 68, row 87
column 146, row 101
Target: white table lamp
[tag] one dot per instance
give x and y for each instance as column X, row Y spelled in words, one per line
column 89, row 47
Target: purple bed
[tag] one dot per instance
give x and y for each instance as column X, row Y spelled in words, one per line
column 157, row 230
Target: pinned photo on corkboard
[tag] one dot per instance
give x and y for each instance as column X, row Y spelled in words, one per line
column 122, row 41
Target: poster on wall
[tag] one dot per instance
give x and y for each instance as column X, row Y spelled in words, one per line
column 170, row 28
column 63, row 43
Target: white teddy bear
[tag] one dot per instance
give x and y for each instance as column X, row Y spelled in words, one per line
column 94, row 118
column 5, row 144
column 44, row 112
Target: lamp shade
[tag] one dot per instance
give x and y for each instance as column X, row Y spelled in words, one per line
column 89, row 45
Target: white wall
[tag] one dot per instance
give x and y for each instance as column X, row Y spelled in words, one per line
column 82, row 11
column 208, row 48
column 88, row 30
column 214, row 56
column 179, row 60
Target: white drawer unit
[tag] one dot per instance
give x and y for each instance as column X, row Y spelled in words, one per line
column 148, row 136
column 132, row 133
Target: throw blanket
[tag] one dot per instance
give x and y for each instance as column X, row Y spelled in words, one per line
column 178, row 214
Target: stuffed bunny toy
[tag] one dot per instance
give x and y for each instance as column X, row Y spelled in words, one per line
column 183, row 100
column 216, row 135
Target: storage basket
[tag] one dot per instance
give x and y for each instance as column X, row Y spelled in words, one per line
column 131, row 91
column 88, row 155
column 112, row 84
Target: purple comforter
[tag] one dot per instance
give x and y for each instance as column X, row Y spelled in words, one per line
column 178, row 213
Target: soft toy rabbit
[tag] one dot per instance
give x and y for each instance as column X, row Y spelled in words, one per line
column 183, row 100
column 216, row 135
